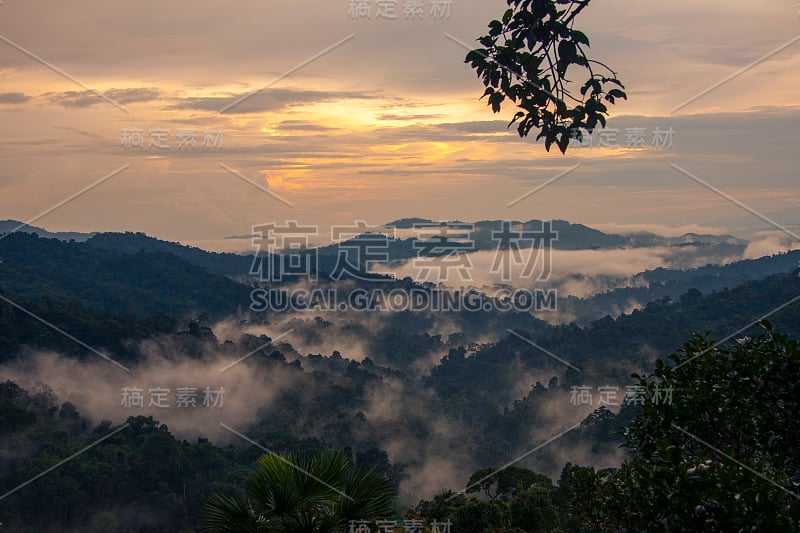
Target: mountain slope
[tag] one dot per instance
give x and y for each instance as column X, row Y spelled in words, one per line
column 140, row 283
column 15, row 225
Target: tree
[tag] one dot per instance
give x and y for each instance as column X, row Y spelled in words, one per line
column 289, row 494
column 580, row 496
column 720, row 455
column 506, row 482
column 520, row 500
column 533, row 510
column 525, row 58
column 478, row 517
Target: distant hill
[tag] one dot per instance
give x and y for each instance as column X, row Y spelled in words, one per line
column 670, row 283
column 651, row 239
column 581, row 237
column 7, row 226
column 407, row 223
column 146, row 283
column 226, row 264
column 646, row 287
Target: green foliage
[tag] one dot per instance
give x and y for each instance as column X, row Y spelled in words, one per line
column 713, row 448
column 141, row 467
column 478, row 517
column 722, row 455
column 441, row 507
column 741, row 400
column 581, row 498
column 525, row 58
column 13, row 413
column 533, row 510
column 506, row 482
column 142, row 284
column 289, row 494
column 519, row 500
column 529, row 507
column 142, row 478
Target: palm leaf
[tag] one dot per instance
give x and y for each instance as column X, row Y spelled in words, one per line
column 291, row 495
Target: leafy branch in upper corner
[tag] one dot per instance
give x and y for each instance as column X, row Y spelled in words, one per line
column 525, row 58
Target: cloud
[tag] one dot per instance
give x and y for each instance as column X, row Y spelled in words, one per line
column 769, row 243
column 268, row 100
column 433, row 447
column 302, row 125
column 401, row 414
column 96, row 387
column 468, row 167
column 81, row 132
column 14, row 98
column 86, row 99
column 580, row 273
column 399, row 117
column 477, row 126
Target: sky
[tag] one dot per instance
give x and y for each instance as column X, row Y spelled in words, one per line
column 377, row 119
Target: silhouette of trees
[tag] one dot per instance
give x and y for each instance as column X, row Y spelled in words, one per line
column 526, row 57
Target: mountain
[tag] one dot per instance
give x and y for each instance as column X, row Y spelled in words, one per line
column 7, row 226
column 225, row 264
column 159, row 282
column 570, row 236
column 577, row 236
column 407, row 223
column 671, row 283
column 445, row 390
column 142, row 283
column 115, row 254
column 646, row 239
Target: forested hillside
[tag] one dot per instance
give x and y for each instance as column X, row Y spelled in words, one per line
column 473, row 398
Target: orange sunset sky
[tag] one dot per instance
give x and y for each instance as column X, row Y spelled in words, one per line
column 385, row 125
